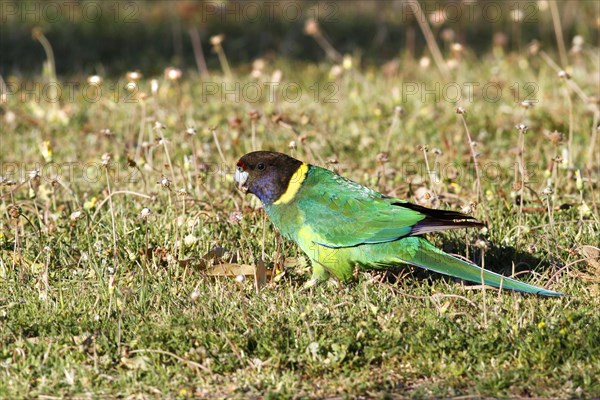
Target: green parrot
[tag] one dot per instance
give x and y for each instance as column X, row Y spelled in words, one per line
column 340, row 224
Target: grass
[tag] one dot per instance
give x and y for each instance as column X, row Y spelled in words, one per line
column 78, row 317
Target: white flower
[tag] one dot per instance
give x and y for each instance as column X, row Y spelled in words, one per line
column 94, row 80
column 165, row 182
column 76, row 215
column 190, row 240
column 145, row 213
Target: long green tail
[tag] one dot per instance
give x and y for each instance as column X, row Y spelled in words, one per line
column 432, row 258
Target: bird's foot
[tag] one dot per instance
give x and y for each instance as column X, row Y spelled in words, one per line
column 313, row 282
column 319, row 276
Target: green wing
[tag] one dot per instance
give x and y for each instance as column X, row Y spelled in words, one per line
column 343, row 213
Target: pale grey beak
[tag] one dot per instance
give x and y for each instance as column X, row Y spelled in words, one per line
column 240, row 176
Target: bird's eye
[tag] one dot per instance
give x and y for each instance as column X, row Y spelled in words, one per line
column 260, row 166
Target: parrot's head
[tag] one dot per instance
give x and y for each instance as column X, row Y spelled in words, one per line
column 266, row 174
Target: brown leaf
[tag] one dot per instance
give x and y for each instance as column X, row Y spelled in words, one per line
column 230, row 269
column 217, row 254
column 260, row 275
column 592, row 256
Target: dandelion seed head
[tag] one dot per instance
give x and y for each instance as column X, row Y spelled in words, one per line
column 134, row 76
column 105, row 159
column 172, row 74
column 145, row 213
column 165, row 182
column 94, row 80
column 311, row 27
column 76, row 215
column 216, row 40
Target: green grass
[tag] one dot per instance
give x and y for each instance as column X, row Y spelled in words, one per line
column 74, row 320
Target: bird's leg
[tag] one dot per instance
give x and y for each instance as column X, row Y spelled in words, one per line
column 319, row 275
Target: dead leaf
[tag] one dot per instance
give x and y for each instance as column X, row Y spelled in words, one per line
column 260, row 275
column 592, row 256
column 292, row 262
column 217, row 254
column 137, row 362
column 230, row 269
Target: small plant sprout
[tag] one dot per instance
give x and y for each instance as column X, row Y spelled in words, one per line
column 431, row 173
column 254, row 116
column 583, row 209
column 49, row 64
column 312, row 29
column 216, row 139
column 190, row 133
column 558, row 31
column 381, row 159
column 461, row 111
column 398, row 113
column 217, row 43
column 164, row 143
column 520, row 171
column 429, row 37
column 105, row 162
column 566, row 78
column 144, row 215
